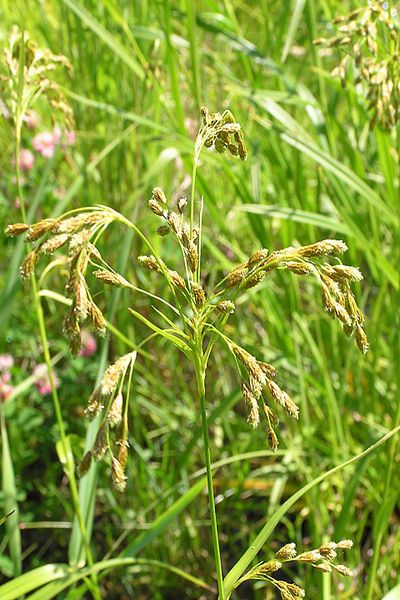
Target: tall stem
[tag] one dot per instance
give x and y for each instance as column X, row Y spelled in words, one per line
column 200, row 378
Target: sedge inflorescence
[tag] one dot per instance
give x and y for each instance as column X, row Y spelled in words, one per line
column 322, row 558
column 202, row 312
column 368, row 40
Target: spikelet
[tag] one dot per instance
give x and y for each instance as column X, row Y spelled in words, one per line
column 159, row 195
column 100, row 444
column 28, row 266
column 114, row 372
column 322, row 248
column 111, row 278
column 225, row 306
column 192, row 256
column 181, row 204
column 114, row 415
column 235, row 277
column 253, row 413
column 118, row 476
column 16, row 229
column 254, row 280
column 149, row 263
column 198, row 295
column 163, row 230
column 96, row 317
column 257, row 257
column 288, row 551
column 85, row 464
column 176, row 279
column 54, row 243
column 37, row 230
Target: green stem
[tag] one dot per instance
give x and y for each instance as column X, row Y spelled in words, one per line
column 200, row 369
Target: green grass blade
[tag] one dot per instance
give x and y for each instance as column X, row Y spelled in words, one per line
column 111, row 41
column 10, row 499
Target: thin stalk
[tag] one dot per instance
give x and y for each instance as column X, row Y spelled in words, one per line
column 199, row 365
column 69, row 466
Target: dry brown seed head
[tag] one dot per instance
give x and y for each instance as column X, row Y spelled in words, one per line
column 342, row 314
column 345, row 544
column 253, row 413
column 81, row 306
column 300, row 268
column 287, row 552
column 173, row 220
column 225, row 306
column 322, row 248
column 53, row 243
column 324, row 567
column 122, row 455
column 29, row 264
column 254, row 280
column 114, row 415
column 256, row 386
column 269, row 370
column 96, row 317
column 111, row 278
column 114, row 372
column 156, row 207
column 16, row 229
column 185, row 235
column 343, row 570
column 118, row 476
column 85, row 463
column 192, row 256
column 181, row 204
column 235, row 277
column 198, row 294
column 177, row 279
column 78, row 243
column 272, row 439
column 95, row 404
column 242, row 151
column 36, row 230
column 233, row 149
column 72, row 224
column 163, row 230
column 159, row 195
column 149, row 263
column 361, row 339
column 256, row 257
column 270, row 567
column 100, row 444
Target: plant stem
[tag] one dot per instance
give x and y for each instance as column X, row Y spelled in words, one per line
column 200, row 369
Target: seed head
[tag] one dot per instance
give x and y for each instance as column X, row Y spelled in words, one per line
column 361, row 339
column 253, row 413
column 322, row 248
column 163, row 230
column 156, row 207
column 235, row 277
column 96, row 317
column 343, row 570
column 181, row 204
column 272, row 439
column 254, row 280
column 257, row 257
column 345, row 544
column 111, row 278
column 37, row 230
column 95, row 404
column 225, row 306
column 192, row 256
column 177, row 279
column 173, row 220
column 29, row 264
column 85, row 463
column 118, row 476
column 114, row 415
column 198, row 294
column 53, row 243
column 287, row 552
column 270, row 567
column 149, row 263
column 159, row 195
column 100, row 444
column 16, row 229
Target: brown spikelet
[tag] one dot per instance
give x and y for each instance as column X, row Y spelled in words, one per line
column 16, row 229
column 96, row 317
column 361, row 339
column 156, row 207
column 257, row 257
column 100, row 444
column 149, row 263
column 95, row 404
column 272, row 439
column 159, row 195
column 114, row 415
column 163, row 230
column 29, row 264
column 254, row 280
column 54, row 243
column 117, row 475
column 198, row 294
column 177, row 279
column 235, row 277
column 322, row 248
column 85, row 463
column 111, row 278
column 122, row 455
column 193, row 257
column 225, row 306
column 287, row 552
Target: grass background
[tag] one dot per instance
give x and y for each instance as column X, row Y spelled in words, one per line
column 141, row 70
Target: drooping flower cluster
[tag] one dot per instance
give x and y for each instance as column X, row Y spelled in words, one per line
column 369, row 39
column 322, row 558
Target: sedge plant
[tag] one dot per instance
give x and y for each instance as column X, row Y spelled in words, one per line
column 193, row 319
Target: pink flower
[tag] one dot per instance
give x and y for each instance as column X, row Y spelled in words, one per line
column 70, row 137
column 26, row 159
column 6, row 362
column 5, row 377
column 5, row 390
column 56, row 134
column 31, row 119
column 43, row 382
column 45, row 143
column 89, row 344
